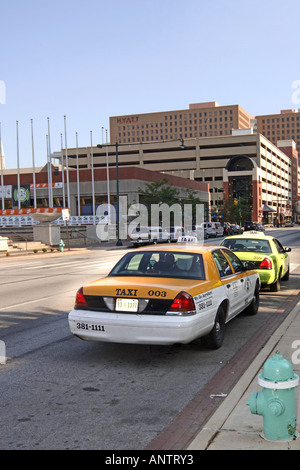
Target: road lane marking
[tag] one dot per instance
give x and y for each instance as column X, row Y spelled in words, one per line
column 2, row 309
column 77, row 263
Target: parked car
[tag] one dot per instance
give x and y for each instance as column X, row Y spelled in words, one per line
column 140, row 236
column 165, row 295
column 159, row 235
column 176, row 231
column 227, row 229
column 250, row 226
column 254, row 226
column 149, row 235
column 289, row 223
column 213, row 229
column 200, row 231
column 236, row 229
column 263, row 253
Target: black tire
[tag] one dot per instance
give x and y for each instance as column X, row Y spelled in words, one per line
column 252, row 309
column 275, row 287
column 215, row 338
column 286, row 276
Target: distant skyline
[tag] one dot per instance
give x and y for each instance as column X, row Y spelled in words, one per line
column 92, row 60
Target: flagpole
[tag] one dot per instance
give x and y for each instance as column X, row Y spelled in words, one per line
column 50, row 167
column 62, row 170
column 93, row 183
column 107, row 180
column 48, row 170
column 18, row 164
column 67, row 166
column 77, row 168
column 2, row 185
column 33, row 165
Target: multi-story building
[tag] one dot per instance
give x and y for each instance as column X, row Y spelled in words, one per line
column 282, row 126
column 242, row 165
column 200, row 120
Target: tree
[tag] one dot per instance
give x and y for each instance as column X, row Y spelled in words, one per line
column 159, row 192
column 236, row 211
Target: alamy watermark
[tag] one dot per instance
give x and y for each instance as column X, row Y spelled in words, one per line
column 183, row 218
column 2, row 352
column 2, row 92
column 296, row 354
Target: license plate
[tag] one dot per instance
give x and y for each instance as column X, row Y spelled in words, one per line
column 127, row 305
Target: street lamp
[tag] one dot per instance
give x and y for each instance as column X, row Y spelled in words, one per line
column 119, row 241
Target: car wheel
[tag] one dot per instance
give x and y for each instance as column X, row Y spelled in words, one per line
column 214, row 339
column 275, row 287
column 252, row 309
column 287, row 275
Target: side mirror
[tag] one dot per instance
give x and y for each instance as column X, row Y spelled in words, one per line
column 287, row 249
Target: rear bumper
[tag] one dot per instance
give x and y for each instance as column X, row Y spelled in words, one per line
column 136, row 329
column 267, row 277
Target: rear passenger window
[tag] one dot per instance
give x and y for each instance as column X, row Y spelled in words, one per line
column 235, row 261
column 222, row 263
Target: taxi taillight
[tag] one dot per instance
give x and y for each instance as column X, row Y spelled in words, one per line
column 183, row 304
column 80, row 300
column 266, row 264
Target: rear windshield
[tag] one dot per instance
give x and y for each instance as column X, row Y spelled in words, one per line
column 140, row 230
column 160, row 264
column 248, row 244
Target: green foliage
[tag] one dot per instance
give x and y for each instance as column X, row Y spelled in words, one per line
column 160, row 192
column 236, row 213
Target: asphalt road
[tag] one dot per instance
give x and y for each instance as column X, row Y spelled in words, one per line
column 58, row 392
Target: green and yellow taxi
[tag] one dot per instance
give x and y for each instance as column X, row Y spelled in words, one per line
column 263, row 253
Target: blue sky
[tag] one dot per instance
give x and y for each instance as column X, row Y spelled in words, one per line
column 92, row 59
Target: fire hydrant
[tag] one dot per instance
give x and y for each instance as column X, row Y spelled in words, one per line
column 276, row 401
column 61, row 245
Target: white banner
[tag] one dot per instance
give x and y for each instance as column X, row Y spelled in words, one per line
column 25, row 220
column 6, row 192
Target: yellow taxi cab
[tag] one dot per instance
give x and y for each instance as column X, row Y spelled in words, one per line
column 264, row 253
column 166, row 295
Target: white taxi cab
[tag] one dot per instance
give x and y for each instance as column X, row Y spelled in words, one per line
column 166, row 295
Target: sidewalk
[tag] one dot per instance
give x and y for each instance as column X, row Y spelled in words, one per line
column 233, row 427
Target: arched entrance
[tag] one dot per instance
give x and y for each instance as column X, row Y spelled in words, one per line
column 240, row 185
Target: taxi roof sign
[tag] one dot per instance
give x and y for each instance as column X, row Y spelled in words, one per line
column 187, row 239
